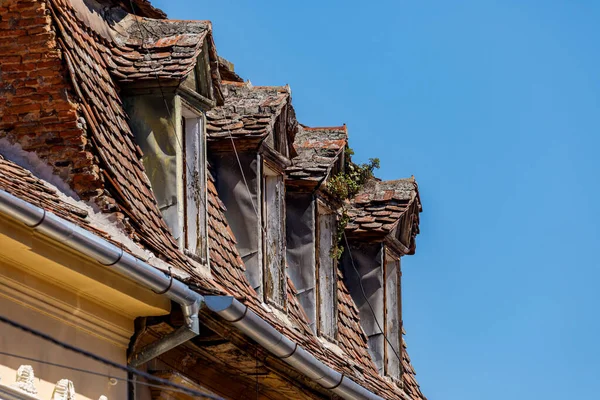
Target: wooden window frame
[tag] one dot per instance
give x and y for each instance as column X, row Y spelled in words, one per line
column 199, row 251
column 387, row 353
column 269, row 288
column 322, row 209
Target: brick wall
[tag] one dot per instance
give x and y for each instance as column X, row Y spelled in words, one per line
column 38, row 109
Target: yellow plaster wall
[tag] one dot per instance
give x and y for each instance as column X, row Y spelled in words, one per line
column 48, row 287
column 19, row 343
column 22, row 248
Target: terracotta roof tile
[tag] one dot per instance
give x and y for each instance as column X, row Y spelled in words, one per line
column 97, row 60
column 87, row 52
column 144, row 8
column 145, row 48
column 317, row 151
column 23, row 184
column 249, row 111
column 378, row 208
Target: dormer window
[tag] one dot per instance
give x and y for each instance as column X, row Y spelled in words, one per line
column 364, row 276
column 165, row 100
column 372, row 274
column 312, row 225
column 172, row 142
column 382, row 228
column 200, row 81
column 248, row 155
column 280, row 137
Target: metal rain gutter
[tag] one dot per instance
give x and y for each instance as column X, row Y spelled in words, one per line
column 230, row 309
column 117, row 260
column 240, row 316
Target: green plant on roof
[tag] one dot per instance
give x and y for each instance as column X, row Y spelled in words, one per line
column 344, row 186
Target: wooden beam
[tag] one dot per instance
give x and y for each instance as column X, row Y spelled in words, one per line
column 227, row 369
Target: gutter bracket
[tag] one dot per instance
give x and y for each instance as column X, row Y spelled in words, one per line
column 155, row 349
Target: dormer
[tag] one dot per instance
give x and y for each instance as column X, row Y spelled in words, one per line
column 384, row 221
column 312, row 223
column 163, row 69
column 249, row 140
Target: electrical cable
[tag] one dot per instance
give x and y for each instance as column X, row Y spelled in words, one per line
column 105, row 361
column 95, row 373
column 248, row 188
column 258, row 217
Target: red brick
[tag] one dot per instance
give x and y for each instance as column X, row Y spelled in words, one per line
column 44, row 39
column 24, row 108
column 11, row 33
column 10, row 76
column 39, row 29
column 24, row 91
column 10, row 60
column 35, row 21
column 31, row 57
column 18, row 67
column 33, row 12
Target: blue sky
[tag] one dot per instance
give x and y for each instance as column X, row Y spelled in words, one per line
column 494, row 106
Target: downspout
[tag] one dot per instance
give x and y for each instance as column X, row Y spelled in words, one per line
column 117, row 260
column 240, row 316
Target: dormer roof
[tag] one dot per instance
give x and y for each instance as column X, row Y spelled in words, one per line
column 81, row 132
column 249, row 111
column 318, row 149
column 144, row 8
column 147, row 49
column 379, row 208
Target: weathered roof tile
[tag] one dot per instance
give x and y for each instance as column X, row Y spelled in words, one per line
column 248, row 111
column 317, row 150
column 377, row 209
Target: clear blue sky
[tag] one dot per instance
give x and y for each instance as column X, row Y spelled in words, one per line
column 494, row 106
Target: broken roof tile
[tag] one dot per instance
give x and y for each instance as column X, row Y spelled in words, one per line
column 248, row 111
column 377, row 209
column 318, row 149
column 97, row 65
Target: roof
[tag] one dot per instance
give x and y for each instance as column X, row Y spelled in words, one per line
column 137, row 47
column 378, row 208
column 88, row 52
column 24, row 184
column 227, row 72
column 144, row 8
column 317, row 151
column 21, row 183
column 88, row 49
column 146, row 48
column 228, row 274
column 249, row 111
